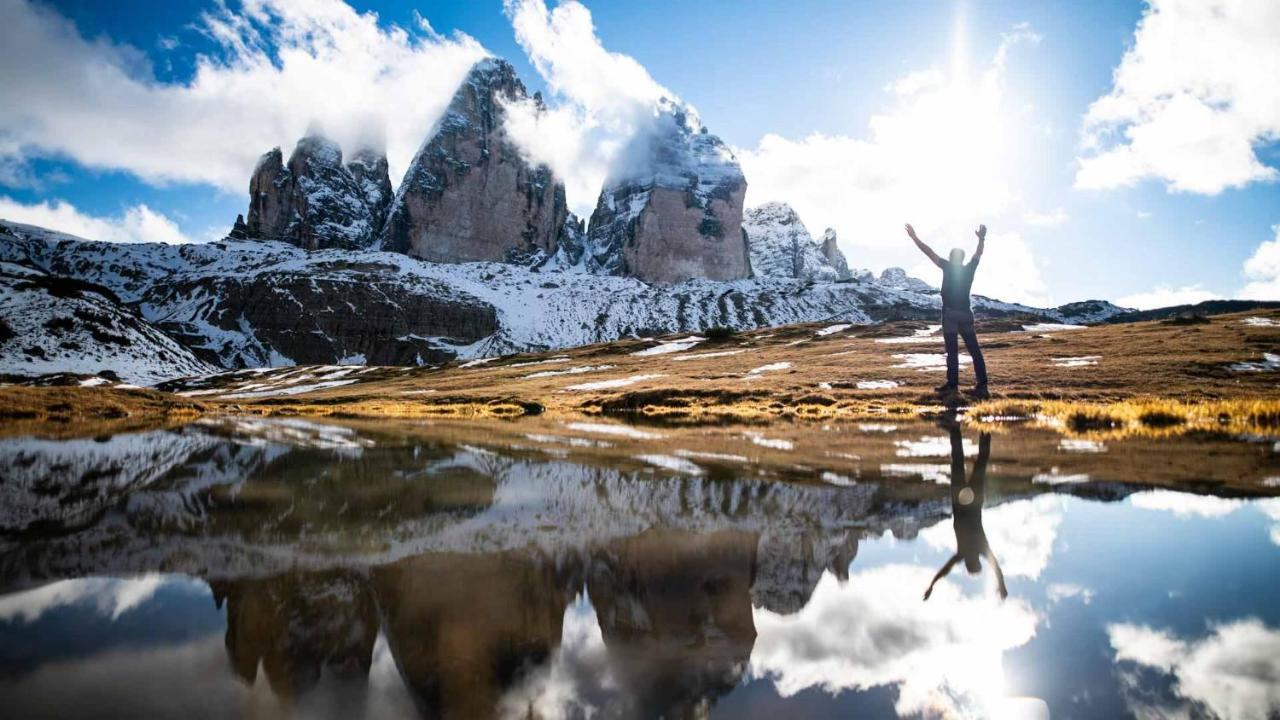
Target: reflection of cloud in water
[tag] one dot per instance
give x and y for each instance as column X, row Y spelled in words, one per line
column 1021, row 534
column 943, row 655
column 1206, row 506
column 1057, row 592
column 576, row 682
column 1234, row 671
column 1185, row 504
column 934, row 446
column 112, row 597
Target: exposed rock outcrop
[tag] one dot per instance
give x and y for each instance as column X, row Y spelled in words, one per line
column 469, row 194
column 51, row 324
column 831, row 251
column 898, row 279
column 782, row 247
column 369, row 169
column 316, row 202
column 675, row 212
column 351, row 313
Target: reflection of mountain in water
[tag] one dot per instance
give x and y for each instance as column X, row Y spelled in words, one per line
column 466, row 560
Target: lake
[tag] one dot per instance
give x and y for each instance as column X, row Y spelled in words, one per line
column 587, row 568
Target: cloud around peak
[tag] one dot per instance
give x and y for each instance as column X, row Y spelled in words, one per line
column 281, row 66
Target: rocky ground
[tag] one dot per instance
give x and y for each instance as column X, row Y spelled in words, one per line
column 1152, row 377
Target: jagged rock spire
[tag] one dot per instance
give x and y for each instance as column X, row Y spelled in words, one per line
column 675, row 212
column 315, row 201
column 782, row 247
column 469, row 194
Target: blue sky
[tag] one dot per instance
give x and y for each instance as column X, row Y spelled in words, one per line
column 813, row 75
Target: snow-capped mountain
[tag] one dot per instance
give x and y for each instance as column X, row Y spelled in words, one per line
column 56, row 324
column 476, row 254
column 674, row 211
column 470, row 194
column 257, row 303
column 781, row 246
column 315, row 201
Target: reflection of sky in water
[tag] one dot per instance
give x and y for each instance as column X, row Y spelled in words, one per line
column 1159, row 605
column 1175, row 590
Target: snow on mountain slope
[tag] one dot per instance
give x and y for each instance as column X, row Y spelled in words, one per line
column 781, row 246
column 253, row 303
column 51, row 324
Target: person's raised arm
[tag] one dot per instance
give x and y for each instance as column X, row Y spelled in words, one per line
column 981, row 232
column 923, row 248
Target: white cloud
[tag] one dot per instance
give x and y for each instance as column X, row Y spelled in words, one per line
column 1052, row 218
column 1234, row 671
column 944, row 154
column 1186, row 504
column 943, row 656
column 1190, row 100
column 574, row 680
column 136, row 224
column 1165, row 296
column 606, row 98
column 282, row 66
column 1262, row 271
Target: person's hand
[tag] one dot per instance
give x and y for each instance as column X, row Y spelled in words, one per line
column 928, row 592
column 911, row 231
column 981, row 231
column 1004, row 592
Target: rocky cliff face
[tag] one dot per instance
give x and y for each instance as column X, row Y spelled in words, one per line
column 469, row 195
column 676, row 212
column 831, row 251
column 316, row 202
column 51, row 324
column 781, row 246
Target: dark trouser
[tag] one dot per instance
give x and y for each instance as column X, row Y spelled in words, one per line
column 960, row 322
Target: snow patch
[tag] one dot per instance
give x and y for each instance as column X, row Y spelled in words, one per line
column 1074, row 362
column 928, row 362
column 1270, row 361
column 771, row 367
column 619, row 430
column 665, row 347
column 610, row 384
column 671, row 462
column 1051, row 327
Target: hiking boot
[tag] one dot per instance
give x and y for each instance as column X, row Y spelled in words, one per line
column 979, row 392
column 945, row 388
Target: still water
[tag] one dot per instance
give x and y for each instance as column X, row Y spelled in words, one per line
column 287, row 568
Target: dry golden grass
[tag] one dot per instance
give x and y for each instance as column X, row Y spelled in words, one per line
column 78, row 411
column 1151, row 377
column 1144, row 363
column 1146, row 416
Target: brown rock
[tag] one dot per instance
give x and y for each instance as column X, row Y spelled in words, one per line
column 469, row 195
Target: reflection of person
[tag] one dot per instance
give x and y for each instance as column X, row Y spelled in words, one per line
column 957, row 317
column 967, row 496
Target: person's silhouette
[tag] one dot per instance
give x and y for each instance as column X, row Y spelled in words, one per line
column 967, row 497
column 957, row 316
